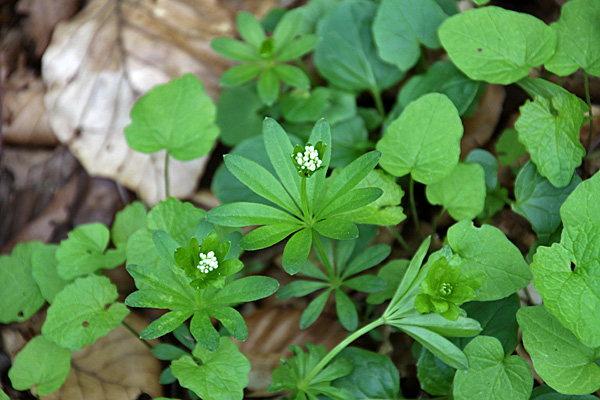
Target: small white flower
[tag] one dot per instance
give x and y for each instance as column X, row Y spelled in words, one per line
column 309, row 160
column 208, row 262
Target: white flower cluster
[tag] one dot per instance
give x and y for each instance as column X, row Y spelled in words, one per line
column 309, row 160
column 208, row 262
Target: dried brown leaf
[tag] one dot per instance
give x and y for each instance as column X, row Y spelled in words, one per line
column 41, row 18
column 106, row 57
column 116, row 367
column 480, row 127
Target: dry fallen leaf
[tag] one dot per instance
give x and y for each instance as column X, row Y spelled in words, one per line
column 480, row 127
column 116, row 367
column 111, row 53
column 42, row 16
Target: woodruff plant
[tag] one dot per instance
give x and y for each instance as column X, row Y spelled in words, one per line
column 322, row 173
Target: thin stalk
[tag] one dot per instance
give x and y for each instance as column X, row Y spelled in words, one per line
column 322, row 254
column 341, row 346
column 136, row 334
column 400, row 239
column 586, row 84
column 378, row 102
column 437, row 221
column 167, row 185
column 304, row 200
column 413, row 205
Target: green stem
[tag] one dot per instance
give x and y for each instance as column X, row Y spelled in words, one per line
column 136, row 334
column 413, row 206
column 341, row 346
column 437, row 221
column 400, row 239
column 322, row 254
column 586, row 83
column 378, row 102
column 304, row 200
column 167, row 185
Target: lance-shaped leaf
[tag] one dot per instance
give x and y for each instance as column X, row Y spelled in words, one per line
column 82, row 312
column 549, row 129
column 43, row 364
column 497, row 45
column 401, row 26
column 565, row 363
column 177, row 116
column 576, row 47
column 424, row 141
column 19, row 293
column 85, row 252
column 487, row 250
column 491, row 375
column 221, row 374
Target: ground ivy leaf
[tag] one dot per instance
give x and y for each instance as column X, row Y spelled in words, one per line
column 539, row 201
column 543, row 88
column 401, row 26
column 508, row 147
column 490, row 375
column 565, row 363
column 488, row 163
column 487, row 250
column 374, row 375
column 41, row 363
column 576, row 47
column 43, row 263
column 177, row 218
column 496, row 45
column 346, row 56
column 127, row 222
column 81, row 313
column 384, row 211
column 19, row 293
column 549, row 129
column 424, row 141
column 462, row 192
column 177, row 116
column 85, row 252
column 221, row 375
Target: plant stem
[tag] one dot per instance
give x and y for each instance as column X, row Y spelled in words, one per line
column 378, row 102
column 304, row 200
column 413, row 206
column 400, row 239
column 586, row 83
column 167, row 185
column 437, row 221
column 136, row 334
column 341, row 346
column 322, row 254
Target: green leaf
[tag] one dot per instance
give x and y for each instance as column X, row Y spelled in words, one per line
column 496, row 45
column 268, row 235
column 245, row 214
column 305, row 106
column 412, row 143
column 346, row 56
column 240, row 74
column 559, row 358
column 392, row 274
column 438, row 345
column 165, row 351
column 19, row 293
column 368, row 258
column 539, row 201
column 365, row 283
column 231, row 320
column 400, row 28
column 346, row 310
column 177, row 218
column 43, row 264
column 3, row 396
column 260, row 181
column 177, row 116
column 374, row 375
column 576, row 48
column 549, row 129
column 442, row 77
column 487, row 250
column 292, row 76
column 462, row 192
column 239, row 114
column 314, row 309
column 351, row 200
column 296, row 251
column 246, row 289
column 268, row 87
column 298, row 47
column 384, row 211
column 42, row 364
column 490, row 375
column 222, row 374
column 84, row 311
column 321, row 132
column 488, row 163
column 408, row 280
column 287, row 28
column 350, row 139
column 250, row 29
column 127, row 222
column 508, row 147
column 234, row 49
column 335, row 228
column 300, row 288
column 85, row 252
column 540, row 87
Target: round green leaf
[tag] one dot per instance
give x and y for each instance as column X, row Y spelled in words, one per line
column 424, row 141
column 490, row 375
column 43, row 263
column 497, row 45
column 42, row 364
column 177, row 116
column 83, row 312
column 239, row 114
